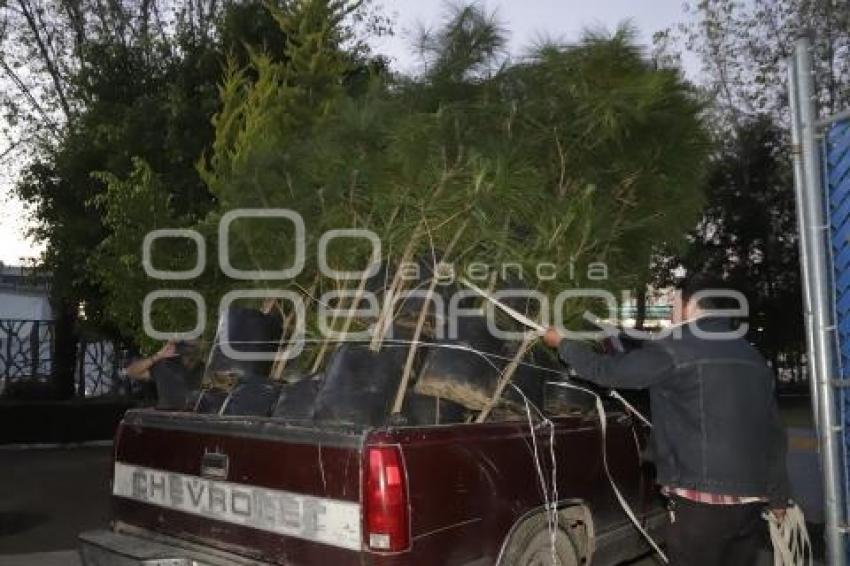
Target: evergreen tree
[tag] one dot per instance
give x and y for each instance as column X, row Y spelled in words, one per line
column 574, row 155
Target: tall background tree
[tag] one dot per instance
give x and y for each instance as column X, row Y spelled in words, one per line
column 748, row 232
column 93, row 89
column 747, row 235
column 743, row 47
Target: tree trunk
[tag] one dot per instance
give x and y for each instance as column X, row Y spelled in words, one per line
column 640, row 314
column 65, row 349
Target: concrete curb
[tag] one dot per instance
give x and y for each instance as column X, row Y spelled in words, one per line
column 60, row 558
column 57, row 445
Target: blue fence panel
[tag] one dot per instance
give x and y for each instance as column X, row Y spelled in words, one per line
column 837, row 177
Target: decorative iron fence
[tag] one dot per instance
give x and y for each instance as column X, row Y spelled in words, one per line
column 26, row 348
column 99, row 372
column 27, row 361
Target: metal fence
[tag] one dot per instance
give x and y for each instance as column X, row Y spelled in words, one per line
column 27, row 362
column 98, row 373
column 836, row 151
column 821, row 150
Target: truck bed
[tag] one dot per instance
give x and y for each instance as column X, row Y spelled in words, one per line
column 275, row 492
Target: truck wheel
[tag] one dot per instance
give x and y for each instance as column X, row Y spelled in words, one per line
column 531, row 545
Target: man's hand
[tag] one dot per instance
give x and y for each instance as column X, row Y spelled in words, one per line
column 167, row 351
column 140, row 369
column 552, row 338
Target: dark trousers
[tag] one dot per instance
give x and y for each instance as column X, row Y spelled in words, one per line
column 714, row 535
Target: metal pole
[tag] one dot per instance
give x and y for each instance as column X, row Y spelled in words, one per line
column 823, row 357
column 799, row 191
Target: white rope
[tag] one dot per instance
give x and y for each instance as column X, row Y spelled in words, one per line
column 522, row 319
column 603, row 423
column 616, row 395
column 550, row 495
column 790, row 538
column 603, row 420
column 549, row 504
column 514, row 314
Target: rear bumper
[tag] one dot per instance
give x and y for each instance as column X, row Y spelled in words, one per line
column 141, row 548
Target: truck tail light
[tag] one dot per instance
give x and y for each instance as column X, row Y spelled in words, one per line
column 385, row 500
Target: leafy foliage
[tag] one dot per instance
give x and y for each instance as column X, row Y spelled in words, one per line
column 252, row 98
column 95, row 86
column 577, row 154
column 748, row 233
column 743, row 47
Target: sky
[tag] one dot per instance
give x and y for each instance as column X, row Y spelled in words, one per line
column 530, row 20
column 527, row 20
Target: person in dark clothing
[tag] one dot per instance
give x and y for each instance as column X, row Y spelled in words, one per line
column 717, row 440
column 176, row 370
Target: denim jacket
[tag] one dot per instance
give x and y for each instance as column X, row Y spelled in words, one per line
column 716, row 424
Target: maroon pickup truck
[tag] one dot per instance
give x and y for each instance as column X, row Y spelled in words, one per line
column 194, row 489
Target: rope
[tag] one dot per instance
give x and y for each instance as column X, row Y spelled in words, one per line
column 550, row 501
column 603, row 423
column 790, row 538
column 629, row 407
column 514, row 314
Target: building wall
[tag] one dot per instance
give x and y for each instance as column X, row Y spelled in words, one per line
column 24, row 305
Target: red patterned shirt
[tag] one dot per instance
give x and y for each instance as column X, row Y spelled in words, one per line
column 710, row 498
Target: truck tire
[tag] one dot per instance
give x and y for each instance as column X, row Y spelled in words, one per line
column 530, row 545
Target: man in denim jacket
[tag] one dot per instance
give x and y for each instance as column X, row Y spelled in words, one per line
column 717, row 441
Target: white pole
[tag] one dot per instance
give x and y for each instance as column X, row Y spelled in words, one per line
column 799, row 192
column 823, row 357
